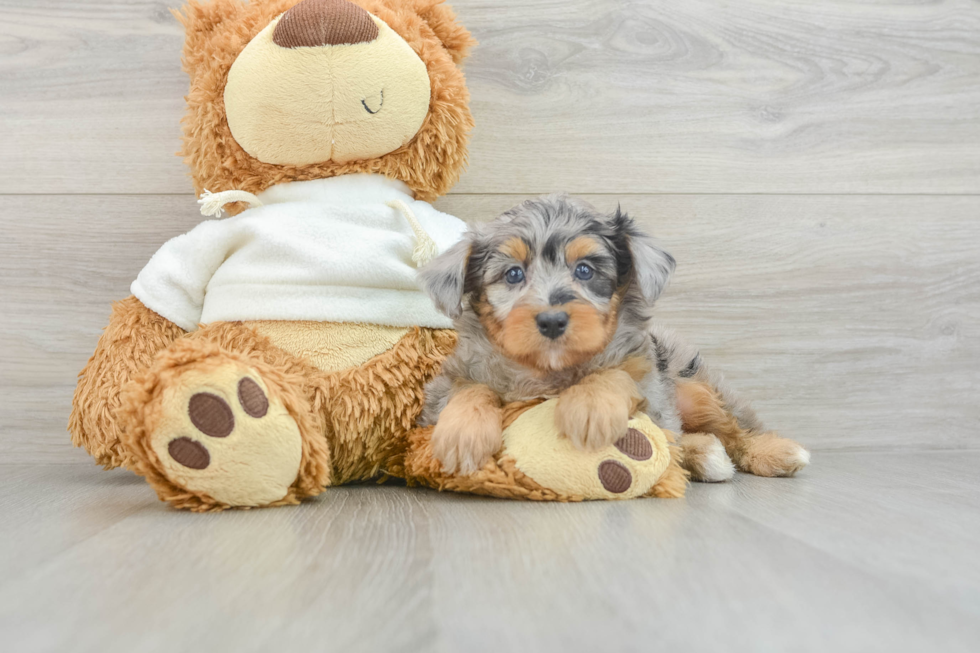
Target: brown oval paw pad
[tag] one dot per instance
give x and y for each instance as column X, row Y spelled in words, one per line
column 614, row 476
column 211, row 415
column 635, row 445
column 253, row 400
column 189, row 453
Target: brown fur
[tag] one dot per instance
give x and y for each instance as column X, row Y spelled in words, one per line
column 218, row 30
column 372, row 408
column 673, row 484
column 637, row 367
column 516, row 249
column 352, row 423
column 490, row 323
column 134, row 336
column 590, row 331
column 580, row 247
column 768, row 454
column 763, row 454
column 518, row 337
column 594, row 412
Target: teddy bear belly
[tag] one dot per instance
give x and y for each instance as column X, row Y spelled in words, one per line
column 330, row 346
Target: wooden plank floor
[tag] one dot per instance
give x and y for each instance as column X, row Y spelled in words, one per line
column 863, row 552
column 815, row 169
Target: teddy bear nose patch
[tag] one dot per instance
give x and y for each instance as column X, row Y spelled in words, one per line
column 314, row 23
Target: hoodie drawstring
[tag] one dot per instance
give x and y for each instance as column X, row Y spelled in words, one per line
column 212, row 203
column 425, row 248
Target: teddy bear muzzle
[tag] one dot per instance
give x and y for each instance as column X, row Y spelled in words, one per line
column 326, row 81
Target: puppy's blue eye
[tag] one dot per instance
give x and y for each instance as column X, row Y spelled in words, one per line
column 514, row 275
column 583, row 271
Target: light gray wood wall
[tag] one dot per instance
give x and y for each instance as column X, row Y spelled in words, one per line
column 815, row 168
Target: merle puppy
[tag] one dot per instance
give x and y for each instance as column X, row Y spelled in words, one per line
column 554, row 299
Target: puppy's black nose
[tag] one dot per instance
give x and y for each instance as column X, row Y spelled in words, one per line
column 553, row 324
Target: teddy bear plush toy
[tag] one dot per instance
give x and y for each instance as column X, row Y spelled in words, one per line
column 267, row 356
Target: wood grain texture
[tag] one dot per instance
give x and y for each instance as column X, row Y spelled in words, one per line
column 862, row 552
column 852, row 322
column 810, row 272
column 776, row 96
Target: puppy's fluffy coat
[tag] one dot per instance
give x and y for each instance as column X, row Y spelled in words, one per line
column 554, row 299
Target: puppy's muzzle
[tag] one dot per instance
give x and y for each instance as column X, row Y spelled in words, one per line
column 552, row 324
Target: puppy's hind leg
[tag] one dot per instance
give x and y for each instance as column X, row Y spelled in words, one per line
column 705, row 458
column 703, row 410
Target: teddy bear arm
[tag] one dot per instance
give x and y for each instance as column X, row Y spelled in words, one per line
column 133, row 337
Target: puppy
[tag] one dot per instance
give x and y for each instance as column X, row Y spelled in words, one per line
column 554, row 299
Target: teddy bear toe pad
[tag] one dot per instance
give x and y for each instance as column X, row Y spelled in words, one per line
column 221, row 435
column 628, row 468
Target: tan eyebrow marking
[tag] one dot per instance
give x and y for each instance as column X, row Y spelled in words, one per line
column 580, row 248
column 515, row 248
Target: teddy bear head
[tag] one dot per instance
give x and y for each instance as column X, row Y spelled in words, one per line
column 292, row 90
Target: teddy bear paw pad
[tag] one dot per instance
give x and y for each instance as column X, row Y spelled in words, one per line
column 220, row 434
column 614, row 476
column 628, row 468
column 635, row 445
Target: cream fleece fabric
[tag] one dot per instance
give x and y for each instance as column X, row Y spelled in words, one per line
column 331, row 103
column 325, row 250
column 330, row 346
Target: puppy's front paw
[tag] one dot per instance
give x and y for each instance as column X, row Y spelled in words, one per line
column 590, row 419
column 465, row 450
column 469, row 432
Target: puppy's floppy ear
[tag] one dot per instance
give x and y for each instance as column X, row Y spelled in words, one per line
column 651, row 265
column 444, row 278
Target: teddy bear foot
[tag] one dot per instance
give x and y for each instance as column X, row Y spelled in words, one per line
column 627, row 468
column 229, row 441
column 211, row 434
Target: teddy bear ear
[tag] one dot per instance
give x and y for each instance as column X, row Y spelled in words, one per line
column 200, row 18
column 442, row 19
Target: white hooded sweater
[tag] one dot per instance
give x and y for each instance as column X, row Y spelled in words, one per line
column 338, row 250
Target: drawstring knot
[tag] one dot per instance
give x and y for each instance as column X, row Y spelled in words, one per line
column 213, row 203
column 425, row 248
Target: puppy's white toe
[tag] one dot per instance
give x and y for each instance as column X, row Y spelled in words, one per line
column 802, row 457
column 798, row 460
column 715, row 465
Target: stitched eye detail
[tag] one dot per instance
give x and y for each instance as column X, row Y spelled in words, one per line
column 584, row 272
column 514, row 275
column 380, row 104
